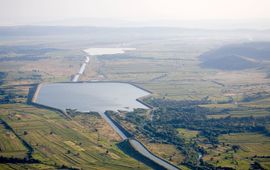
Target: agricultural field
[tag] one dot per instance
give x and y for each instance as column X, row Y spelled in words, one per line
column 10, row 145
column 175, row 74
column 82, row 142
column 236, row 150
column 249, row 147
column 218, row 117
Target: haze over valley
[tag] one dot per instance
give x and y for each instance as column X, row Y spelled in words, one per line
column 134, row 84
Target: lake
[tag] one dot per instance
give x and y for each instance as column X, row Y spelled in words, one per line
column 93, row 96
column 106, row 51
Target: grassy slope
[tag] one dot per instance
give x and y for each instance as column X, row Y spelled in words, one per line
column 57, row 141
column 10, row 145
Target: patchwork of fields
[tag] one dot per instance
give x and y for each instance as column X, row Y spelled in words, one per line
column 85, row 142
column 167, row 65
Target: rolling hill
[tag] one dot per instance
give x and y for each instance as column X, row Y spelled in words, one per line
column 238, row 56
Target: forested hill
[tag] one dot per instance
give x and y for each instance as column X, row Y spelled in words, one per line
column 238, row 56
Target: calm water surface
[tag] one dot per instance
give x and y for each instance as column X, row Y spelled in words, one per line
column 97, row 97
column 104, row 51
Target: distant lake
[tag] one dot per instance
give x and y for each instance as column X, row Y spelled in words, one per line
column 96, row 96
column 104, row 51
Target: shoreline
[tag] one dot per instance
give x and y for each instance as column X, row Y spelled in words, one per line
column 140, row 100
column 32, row 97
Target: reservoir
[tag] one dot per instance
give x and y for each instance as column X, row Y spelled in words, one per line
column 105, row 51
column 91, row 96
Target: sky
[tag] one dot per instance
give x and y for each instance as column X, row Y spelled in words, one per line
column 24, row 12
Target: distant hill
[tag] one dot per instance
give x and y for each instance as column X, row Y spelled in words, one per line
column 238, row 56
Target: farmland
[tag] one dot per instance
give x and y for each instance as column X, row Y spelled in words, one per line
column 221, row 114
column 253, row 147
column 83, row 142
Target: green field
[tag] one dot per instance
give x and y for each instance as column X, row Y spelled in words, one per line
column 188, row 135
column 10, row 145
column 252, row 148
column 82, row 142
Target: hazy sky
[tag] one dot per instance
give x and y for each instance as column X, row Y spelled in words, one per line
column 14, row 12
